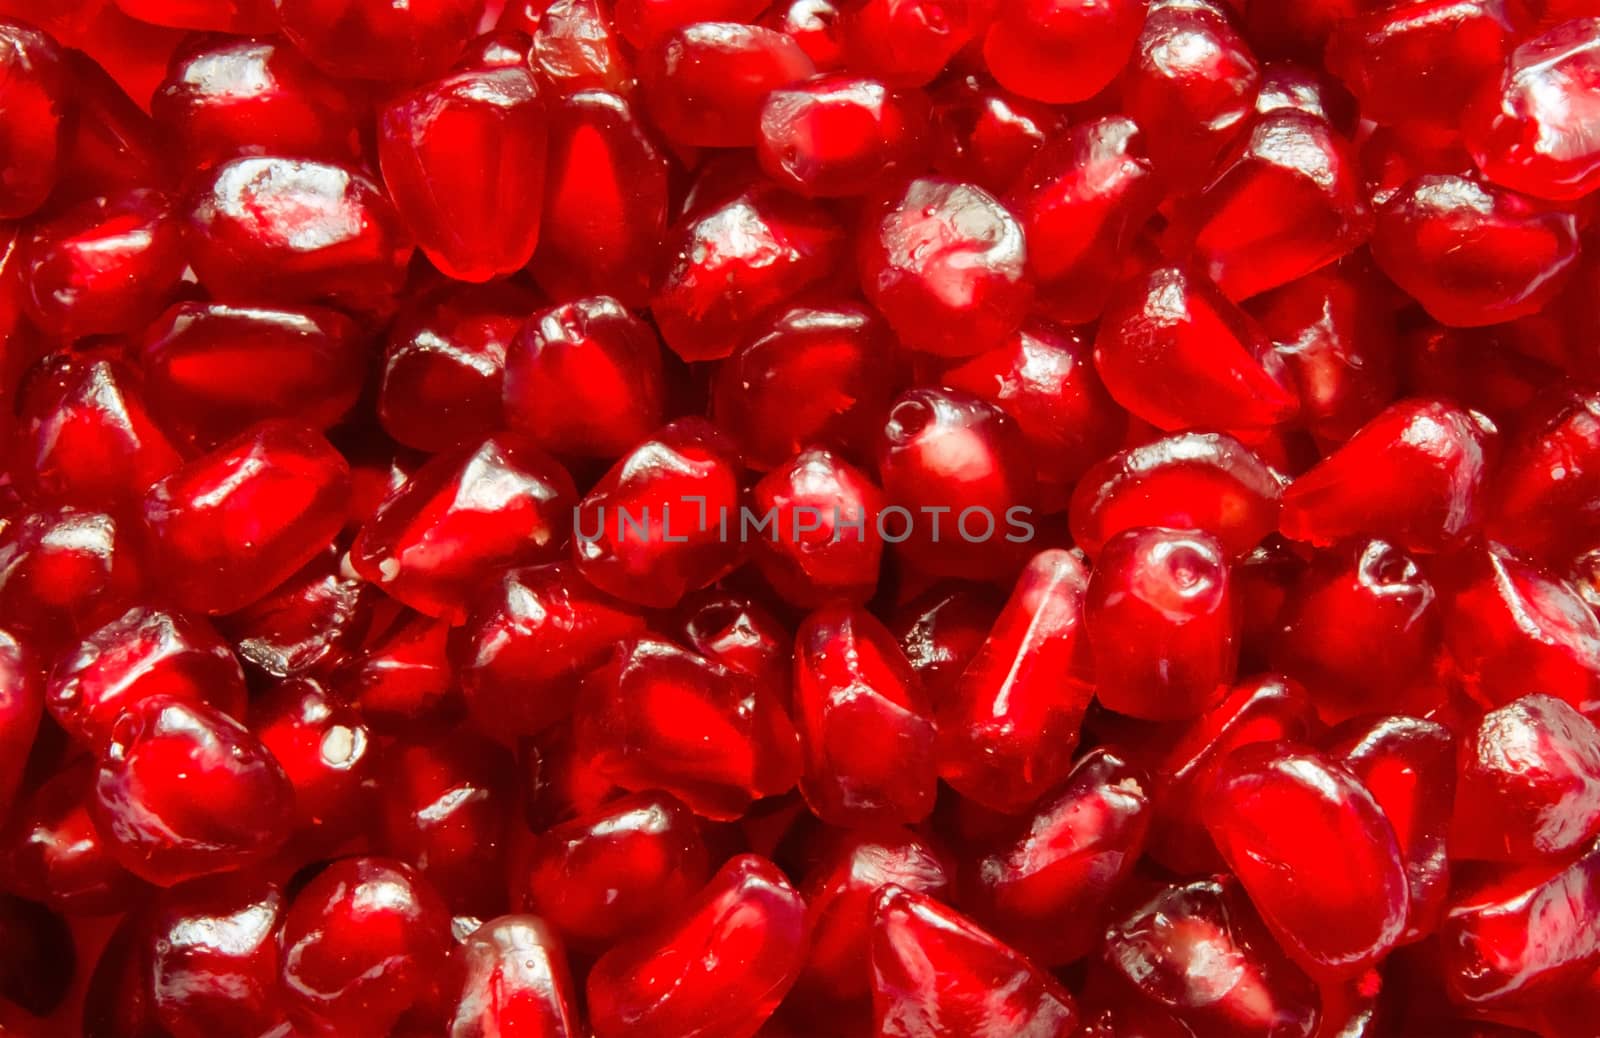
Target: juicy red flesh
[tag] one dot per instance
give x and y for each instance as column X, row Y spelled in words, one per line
column 812, row 519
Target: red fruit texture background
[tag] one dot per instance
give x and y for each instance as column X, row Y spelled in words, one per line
column 800, row 518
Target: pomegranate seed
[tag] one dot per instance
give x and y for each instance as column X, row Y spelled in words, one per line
column 840, row 890
column 21, row 707
column 658, row 717
column 1525, row 129
column 326, row 750
column 464, row 161
column 224, row 97
column 515, row 980
column 361, row 943
column 498, row 503
column 946, row 263
column 1540, row 496
column 296, row 230
column 837, row 136
column 372, row 39
column 56, row 856
column 1414, row 476
column 1007, row 732
column 63, row 572
column 719, row 969
column 306, row 623
column 157, row 755
column 585, row 378
column 444, row 365
column 107, row 265
column 618, row 871
column 1198, row 481
column 241, row 520
column 824, row 542
column 643, row 22
column 1046, row 890
column 576, row 45
column 1331, row 886
column 856, row 697
column 1060, row 52
column 739, row 633
column 933, row 969
column 704, row 84
column 33, row 134
column 941, row 631
column 401, row 678
column 627, row 543
column 214, row 957
column 1162, row 622
column 40, row 960
column 141, row 654
column 985, row 135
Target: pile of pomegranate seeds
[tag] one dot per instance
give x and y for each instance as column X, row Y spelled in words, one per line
column 809, row 519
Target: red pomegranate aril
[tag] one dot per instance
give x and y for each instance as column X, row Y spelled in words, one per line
column 1191, row 86
column 1547, row 488
column 1060, row 52
column 1519, row 937
column 659, row 717
column 231, row 525
column 1471, row 253
column 296, row 230
column 112, row 143
column 1331, row 329
column 213, row 965
column 1360, row 624
column 1413, row 476
column 53, row 853
column 1162, row 622
column 1527, row 129
column 307, row 622
column 1529, row 785
column 1315, row 852
column 946, row 264
column 704, row 84
column 445, row 808
column 363, row 942
column 1513, row 627
column 444, row 364
column 1408, row 765
column 908, row 42
column 85, row 437
column 1287, row 201
column 617, row 871
column 728, row 264
column 1176, row 353
column 529, row 638
column 464, row 161
column 33, row 132
column 1083, row 200
column 942, row 629
column 1007, row 732
column 934, row 971
column 576, row 46
column 328, row 754
column 225, row 96
column 585, row 378
column 1199, row 951
column 1046, row 890
column 1043, row 377
column 237, row 16
column 865, row 725
column 606, row 199
column 644, row 22
column 514, row 981
column 401, row 678
column 145, row 652
column 821, row 540
column 838, row 136
column 105, row 266
column 21, row 707
column 955, row 469
column 1414, row 64
column 627, row 542
column 840, row 890
column 183, row 790
column 816, row 25
column 39, row 966
column 985, row 135
column 738, row 632
column 718, row 970
column 1196, row 481
column 64, row 571
column 213, row 370
column 463, row 516
column 374, row 39
column 815, row 375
